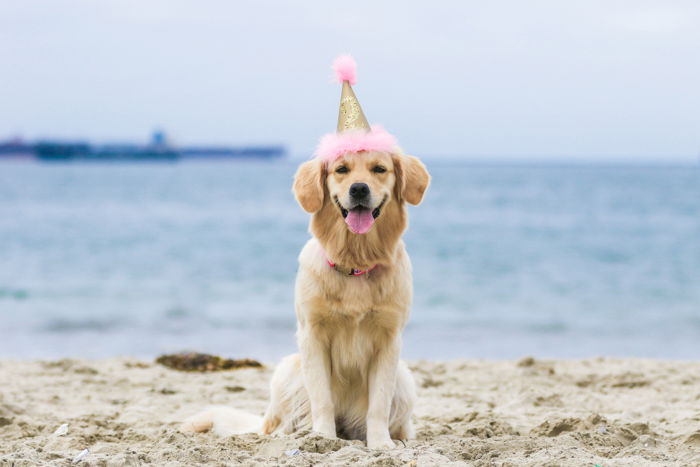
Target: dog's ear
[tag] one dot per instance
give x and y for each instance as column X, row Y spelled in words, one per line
column 308, row 185
column 412, row 178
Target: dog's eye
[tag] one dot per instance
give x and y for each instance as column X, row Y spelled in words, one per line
column 378, row 169
column 342, row 170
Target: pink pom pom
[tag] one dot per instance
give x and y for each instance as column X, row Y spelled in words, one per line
column 345, row 69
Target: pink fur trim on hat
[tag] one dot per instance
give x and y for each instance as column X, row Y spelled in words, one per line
column 334, row 145
column 345, row 69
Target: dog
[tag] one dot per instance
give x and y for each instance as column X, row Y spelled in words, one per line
column 352, row 298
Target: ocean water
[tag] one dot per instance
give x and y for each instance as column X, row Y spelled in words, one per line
column 138, row 259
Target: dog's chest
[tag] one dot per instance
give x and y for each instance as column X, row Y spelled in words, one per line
column 356, row 297
column 354, row 339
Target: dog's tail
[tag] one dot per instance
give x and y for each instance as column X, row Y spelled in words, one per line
column 224, row 421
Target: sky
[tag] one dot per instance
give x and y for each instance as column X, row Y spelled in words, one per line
column 496, row 80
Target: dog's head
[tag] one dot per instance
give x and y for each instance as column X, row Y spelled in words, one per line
column 361, row 186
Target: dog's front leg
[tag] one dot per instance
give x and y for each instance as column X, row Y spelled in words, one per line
column 382, row 384
column 316, row 369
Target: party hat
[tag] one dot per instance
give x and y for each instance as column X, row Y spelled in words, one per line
column 350, row 114
column 353, row 133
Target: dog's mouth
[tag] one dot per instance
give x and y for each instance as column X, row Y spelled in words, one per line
column 360, row 218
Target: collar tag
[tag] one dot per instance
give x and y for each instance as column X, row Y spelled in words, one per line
column 353, row 272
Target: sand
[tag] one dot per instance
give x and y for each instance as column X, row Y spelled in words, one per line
column 609, row 412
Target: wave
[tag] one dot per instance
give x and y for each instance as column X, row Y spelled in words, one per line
column 63, row 325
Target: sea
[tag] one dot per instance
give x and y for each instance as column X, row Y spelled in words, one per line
column 553, row 261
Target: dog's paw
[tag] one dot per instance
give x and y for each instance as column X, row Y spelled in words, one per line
column 325, row 430
column 325, row 434
column 380, row 443
column 199, row 423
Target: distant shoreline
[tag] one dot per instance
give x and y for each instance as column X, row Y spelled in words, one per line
column 438, row 161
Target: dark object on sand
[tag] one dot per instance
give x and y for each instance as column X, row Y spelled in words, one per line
column 204, row 362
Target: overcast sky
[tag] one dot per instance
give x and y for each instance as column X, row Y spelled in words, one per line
column 497, row 79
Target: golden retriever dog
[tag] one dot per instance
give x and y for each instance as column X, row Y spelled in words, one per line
column 353, row 297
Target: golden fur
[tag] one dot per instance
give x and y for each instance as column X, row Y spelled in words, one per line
column 347, row 379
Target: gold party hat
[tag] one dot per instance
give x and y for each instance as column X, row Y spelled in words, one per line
column 354, row 133
column 350, row 115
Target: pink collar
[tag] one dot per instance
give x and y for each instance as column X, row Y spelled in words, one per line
column 353, row 272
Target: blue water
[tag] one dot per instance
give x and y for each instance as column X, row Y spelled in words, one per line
column 102, row 260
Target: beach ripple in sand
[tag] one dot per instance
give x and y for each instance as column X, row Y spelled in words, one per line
column 611, row 412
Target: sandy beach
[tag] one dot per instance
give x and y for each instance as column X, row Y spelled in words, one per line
column 610, row 412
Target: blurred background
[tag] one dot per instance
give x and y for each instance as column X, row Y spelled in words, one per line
column 147, row 151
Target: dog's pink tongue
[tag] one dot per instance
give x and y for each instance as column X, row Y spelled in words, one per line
column 359, row 220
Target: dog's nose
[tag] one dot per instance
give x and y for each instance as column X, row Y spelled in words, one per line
column 359, row 190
